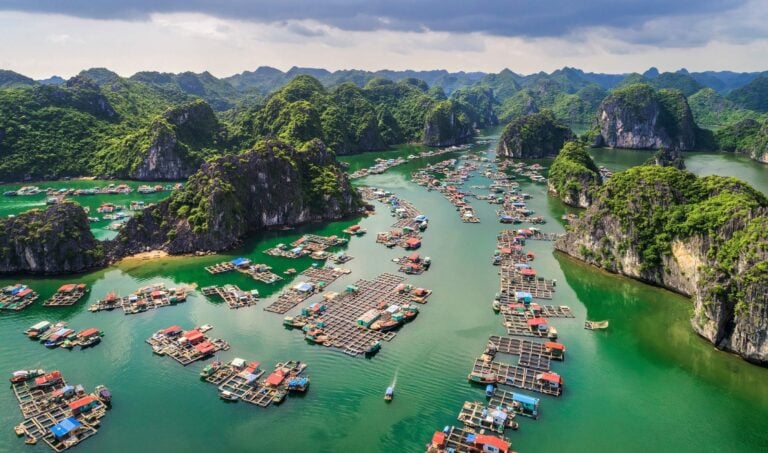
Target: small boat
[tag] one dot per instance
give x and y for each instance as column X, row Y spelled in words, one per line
column 228, row 396
column 482, row 378
column 205, row 328
column 290, row 271
column 58, row 337
column 19, row 430
column 38, row 329
column 278, row 396
column 496, row 306
column 389, row 394
column 25, row 375
column 595, row 325
column 90, row 341
column 294, row 321
column 30, row 440
column 552, row 333
column 373, row 348
column 103, row 393
column 489, row 390
column 210, row 369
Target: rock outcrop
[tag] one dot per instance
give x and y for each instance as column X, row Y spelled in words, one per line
column 669, row 157
column 703, row 237
column 52, row 241
column 447, row 124
column 535, row 136
column 232, row 196
column 573, row 176
column 639, row 117
column 174, row 145
column 747, row 136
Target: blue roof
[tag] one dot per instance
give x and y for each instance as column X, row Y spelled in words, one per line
column 297, row 250
column 525, row 399
column 240, row 261
column 65, row 427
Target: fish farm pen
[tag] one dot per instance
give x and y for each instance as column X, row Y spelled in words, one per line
column 67, row 295
column 365, row 314
column 239, row 381
column 144, row 299
column 314, row 280
column 185, row 347
column 59, row 414
column 17, row 297
column 232, row 295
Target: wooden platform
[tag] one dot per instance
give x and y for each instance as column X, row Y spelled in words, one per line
column 232, row 295
column 340, row 319
column 250, row 389
column 320, row 277
column 476, row 415
column 518, row 346
column 184, row 353
column 504, row 399
column 515, row 376
column 144, row 299
column 66, row 298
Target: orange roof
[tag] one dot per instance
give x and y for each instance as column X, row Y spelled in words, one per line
column 551, row 377
column 413, row 241
column 84, row 401
column 88, row 332
column 438, row 438
column 67, row 288
column 275, row 378
column 204, row 347
column 553, row 345
column 172, row 329
column 193, row 335
column 501, row 444
column 536, row 321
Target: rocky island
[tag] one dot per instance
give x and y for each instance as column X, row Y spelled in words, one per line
column 574, row 177
column 703, row 237
column 534, row 136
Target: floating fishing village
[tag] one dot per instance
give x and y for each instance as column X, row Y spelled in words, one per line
column 358, row 319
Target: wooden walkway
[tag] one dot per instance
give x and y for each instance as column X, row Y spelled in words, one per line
column 505, row 399
column 66, row 298
column 517, row 346
column 318, row 277
column 232, row 295
column 515, row 376
column 340, row 319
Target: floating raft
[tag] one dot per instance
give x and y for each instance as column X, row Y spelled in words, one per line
column 346, row 321
column 476, row 415
column 239, row 381
column 144, row 299
column 517, row 346
column 67, row 295
column 465, row 440
column 516, row 403
column 220, row 268
column 518, row 376
column 49, row 405
column 17, row 297
column 232, row 295
column 536, row 310
column 309, row 244
column 185, row 347
column 313, row 280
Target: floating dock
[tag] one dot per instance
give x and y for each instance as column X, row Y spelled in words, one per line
column 309, row 244
column 185, row 347
column 516, row 376
column 476, row 415
column 312, row 281
column 466, row 440
column 17, row 297
column 515, row 403
column 517, row 346
column 239, row 381
column 232, row 295
column 60, row 415
column 365, row 314
column 67, row 295
column 144, row 299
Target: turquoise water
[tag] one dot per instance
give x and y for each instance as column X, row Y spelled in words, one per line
column 646, row 384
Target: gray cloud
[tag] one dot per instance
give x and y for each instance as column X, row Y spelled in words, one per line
column 522, row 18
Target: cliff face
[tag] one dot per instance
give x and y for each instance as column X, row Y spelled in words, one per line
column 447, row 124
column 175, row 143
column 702, row 237
column 52, row 241
column 638, row 117
column 533, row 136
column 748, row 137
column 232, row 196
column 574, row 177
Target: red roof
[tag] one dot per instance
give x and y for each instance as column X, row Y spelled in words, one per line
column 413, row 256
column 172, row 329
column 193, row 336
column 82, row 402
column 438, row 439
column 494, row 441
column 275, row 378
column 536, row 321
column 528, row 271
column 413, row 242
column 506, row 250
column 24, row 293
column 205, row 347
column 156, row 294
column 67, row 288
column 551, row 377
column 553, row 345
column 81, row 286
column 420, row 291
column 88, row 332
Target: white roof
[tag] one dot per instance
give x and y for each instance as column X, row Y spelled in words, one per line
column 238, row 362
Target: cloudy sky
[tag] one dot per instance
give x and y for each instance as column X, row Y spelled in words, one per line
column 40, row 38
